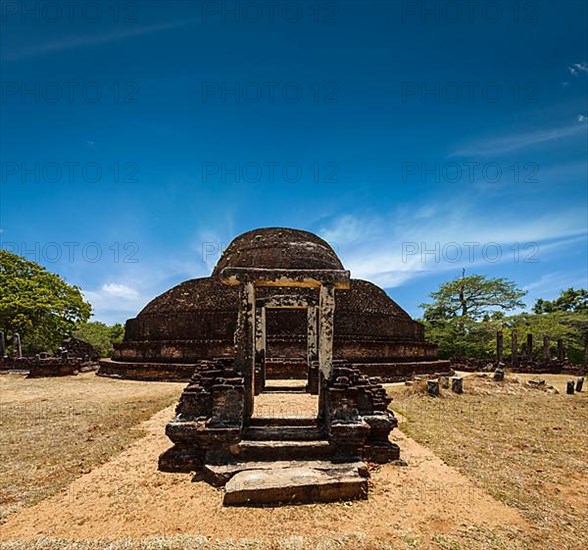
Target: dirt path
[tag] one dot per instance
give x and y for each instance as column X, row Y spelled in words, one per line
column 128, row 497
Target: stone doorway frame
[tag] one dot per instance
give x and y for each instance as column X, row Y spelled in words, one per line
column 248, row 328
column 284, row 301
column 216, row 407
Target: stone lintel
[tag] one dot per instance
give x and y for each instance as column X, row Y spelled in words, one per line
column 310, row 278
column 289, row 301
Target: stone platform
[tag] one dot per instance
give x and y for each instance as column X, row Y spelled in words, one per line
column 280, row 483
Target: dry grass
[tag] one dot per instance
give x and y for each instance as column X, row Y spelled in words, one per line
column 471, row 538
column 128, row 503
column 526, row 446
column 53, row 430
column 195, row 542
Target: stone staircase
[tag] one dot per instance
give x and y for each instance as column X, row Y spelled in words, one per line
column 286, row 460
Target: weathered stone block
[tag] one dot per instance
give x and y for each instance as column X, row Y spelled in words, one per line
column 293, row 485
column 433, row 388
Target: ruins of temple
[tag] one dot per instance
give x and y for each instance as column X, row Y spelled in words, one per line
column 278, row 305
column 73, row 356
column 197, row 319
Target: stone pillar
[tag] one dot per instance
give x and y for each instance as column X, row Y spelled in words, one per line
column 457, row 384
column 16, row 347
column 514, row 349
column 561, row 350
column 259, row 332
column 260, row 345
column 499, row 375
column 326, row 329
column 529, row 346
column 546, row 349
column 570, row 387
column 311, row 335
column 579, row 383
column 433, row 388
column 245, row 342
column 499, row 346
column 2, row 344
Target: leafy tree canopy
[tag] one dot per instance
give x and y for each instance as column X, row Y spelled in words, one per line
column 571, row 300
column 37, row 304
column 473, row 297
column 468, row 311
column 100, row 335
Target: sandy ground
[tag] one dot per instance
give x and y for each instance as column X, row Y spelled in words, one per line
column 128, row 497
column 280, row 405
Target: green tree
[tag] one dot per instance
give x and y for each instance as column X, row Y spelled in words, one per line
column 568, row 314
column 466, row 313
column 571, row 300
column 117, row 332
column 100, row 335
column 473, row 297
column 458, row 337
column 37, row 304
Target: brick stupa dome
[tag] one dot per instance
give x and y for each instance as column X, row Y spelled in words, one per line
column 278, row 248
column 197, row 319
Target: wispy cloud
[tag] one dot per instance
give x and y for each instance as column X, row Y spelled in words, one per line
column 511, row 143
column 136, row 285
column 75, row 42
column 578, row 68
column 121, row 295
column 378, row 254
column 118, row 298
column 549, row 285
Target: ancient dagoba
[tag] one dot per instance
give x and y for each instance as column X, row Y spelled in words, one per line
column 278, row 305
column 197, row 319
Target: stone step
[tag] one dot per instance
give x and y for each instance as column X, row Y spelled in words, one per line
column 283, row 421
column 219, row 474
column 300, row 484
column 270, row 450
column 284, row 389
column 283, row 433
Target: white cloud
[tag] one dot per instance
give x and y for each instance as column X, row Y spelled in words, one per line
column 346, row 229
column 138, row 283
column 549, row 285
column 120, row 291
column 115, row 302
column 402, row 248
column 578, row 67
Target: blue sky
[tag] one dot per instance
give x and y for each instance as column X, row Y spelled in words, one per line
column 419, row 138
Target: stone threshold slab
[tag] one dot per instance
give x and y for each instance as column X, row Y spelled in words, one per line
column 219, row 475
column 294, row 485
